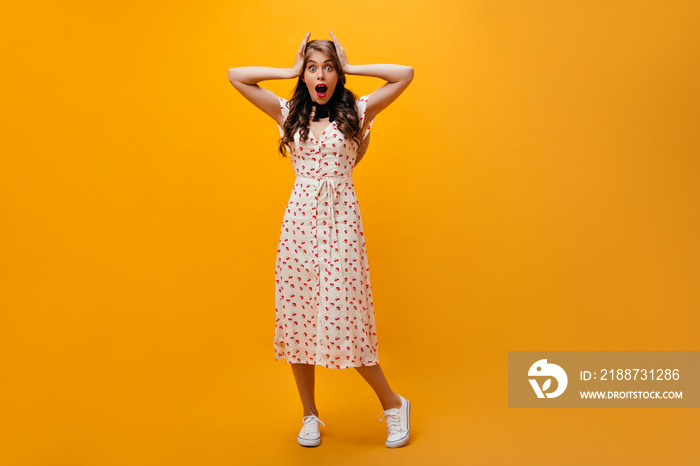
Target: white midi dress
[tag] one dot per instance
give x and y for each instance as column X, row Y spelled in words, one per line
column 323, row 295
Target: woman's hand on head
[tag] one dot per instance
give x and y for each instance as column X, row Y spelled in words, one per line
column 340, row 51
column 298, row 67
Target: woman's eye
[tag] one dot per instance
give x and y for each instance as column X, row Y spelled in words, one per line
column 329, row 68
column 312, row 68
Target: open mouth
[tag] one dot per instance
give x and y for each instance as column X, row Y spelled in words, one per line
column 321, row 90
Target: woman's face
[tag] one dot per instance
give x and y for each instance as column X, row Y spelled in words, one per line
column 320, row 77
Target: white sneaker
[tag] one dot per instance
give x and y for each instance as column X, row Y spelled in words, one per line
column 398, row 422
column 310, row 436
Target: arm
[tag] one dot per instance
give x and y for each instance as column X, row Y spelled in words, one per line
column 246, row 78
column 398, row 78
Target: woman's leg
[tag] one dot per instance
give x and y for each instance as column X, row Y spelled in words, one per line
column 304, row 376
column 375, row 377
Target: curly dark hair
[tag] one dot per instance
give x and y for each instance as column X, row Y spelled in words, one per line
column 342, row 103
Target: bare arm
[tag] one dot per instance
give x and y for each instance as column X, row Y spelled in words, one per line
column 246, row 78
column 398, row 78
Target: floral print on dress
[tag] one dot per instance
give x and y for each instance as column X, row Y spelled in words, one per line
column 323, row 294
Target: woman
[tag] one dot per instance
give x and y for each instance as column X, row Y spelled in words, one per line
column 324, row 308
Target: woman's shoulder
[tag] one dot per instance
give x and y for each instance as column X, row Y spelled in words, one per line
column 362, row 101
column 361, row 112
column 284, row 106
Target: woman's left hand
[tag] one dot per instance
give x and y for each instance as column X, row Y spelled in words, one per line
column 340, row 51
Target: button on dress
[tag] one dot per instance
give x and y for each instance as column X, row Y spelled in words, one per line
column 323, row 296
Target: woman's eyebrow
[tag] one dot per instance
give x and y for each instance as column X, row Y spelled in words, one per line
column 314, row 62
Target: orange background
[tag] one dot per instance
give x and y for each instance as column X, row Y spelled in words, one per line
column 535, row 188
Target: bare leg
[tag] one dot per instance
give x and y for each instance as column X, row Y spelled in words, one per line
column 375, row 378
column 304, row 376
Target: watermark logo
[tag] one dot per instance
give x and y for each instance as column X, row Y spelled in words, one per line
column 603, row 379
column 544, row 369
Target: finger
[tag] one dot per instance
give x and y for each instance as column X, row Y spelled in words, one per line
column 336, row 41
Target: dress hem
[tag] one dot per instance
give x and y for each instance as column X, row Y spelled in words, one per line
column 328, row 366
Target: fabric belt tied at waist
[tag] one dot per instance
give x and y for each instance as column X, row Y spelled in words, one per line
column 328, row 183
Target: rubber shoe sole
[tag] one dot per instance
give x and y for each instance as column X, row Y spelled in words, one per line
column 309, row 442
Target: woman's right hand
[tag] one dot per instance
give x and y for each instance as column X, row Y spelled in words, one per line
column 298, row 67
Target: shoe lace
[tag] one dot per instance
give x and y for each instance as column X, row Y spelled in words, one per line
column 311, row 424
column 393, row 421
